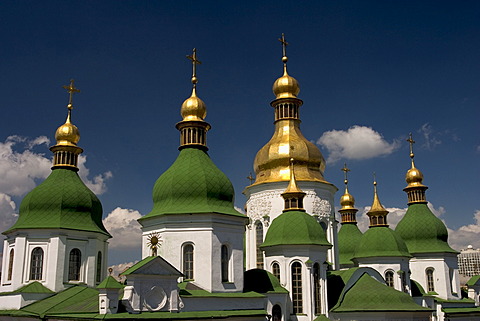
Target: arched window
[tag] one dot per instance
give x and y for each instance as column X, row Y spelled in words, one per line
column 74, row 264
column 430, row 281
column 99, row 267
column 276, row 270
column 36, row 264
column 297, row 288
column 188, row 261
column 316, row 288
column 276, row 313
column 10, row 265
column 389, row 278
column 258, row 242
column 225, row 260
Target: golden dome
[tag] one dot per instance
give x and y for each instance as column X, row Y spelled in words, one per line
column 347, row 200
column 193, row 108
column 286, row 86
column 68, row 133
column 414, row 177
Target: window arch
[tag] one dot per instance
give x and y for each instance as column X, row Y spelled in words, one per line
column 258, row 242
column 99, row 267
column 36, row 264
column 297, row 298
column 389, row 278
column 74, row 265
column 276, row 313
column 276, row 270
column 188, row 261
column 430, row 280
column 225, row 258
column 10, row 265
column 316, row 288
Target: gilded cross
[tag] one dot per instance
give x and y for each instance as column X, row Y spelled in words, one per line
column 345, row 169
column 71, row 90
column 195, row 62
column 251, row 178
column 284, row 44
column 411, row 141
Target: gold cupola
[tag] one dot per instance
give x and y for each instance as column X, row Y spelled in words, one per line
column 293, row 195
column 377, row 213
column 66, row 151
column 415, row 189
column 348, row 210
column 193, row 129
column 272, row 162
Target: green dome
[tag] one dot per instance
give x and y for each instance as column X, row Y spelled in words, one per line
column 348, row 238
column 295, row 228
column 422, row 231
column 193, row 184
column 61, row 201
column 367, row 294
column 381, row 241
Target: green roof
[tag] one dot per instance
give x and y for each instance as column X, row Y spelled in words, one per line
column 193, row 184
column 189, row 290
column 138, row 265
column 381, row 241
column 417, row 289
column 422, row 231
column 321, row 317
column 76, row 299
column 193, row 315
column 348, row 238
column 367, row 294
column 34, row 287
column 295, row 228
column 474, row 311
column 473, row 280
column 262, row 281
column 61, row 201
column 110, row 283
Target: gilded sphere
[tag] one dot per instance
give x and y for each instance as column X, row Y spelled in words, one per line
column 286, row 87
column 67, row 134
column 347, row 200
column 414, row 176
column 193, row 109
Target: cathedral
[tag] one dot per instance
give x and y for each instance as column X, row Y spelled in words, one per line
column 285, row 258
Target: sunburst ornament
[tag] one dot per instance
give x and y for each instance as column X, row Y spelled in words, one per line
column 154, row 241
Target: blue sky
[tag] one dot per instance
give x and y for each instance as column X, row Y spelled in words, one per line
column 370, row 72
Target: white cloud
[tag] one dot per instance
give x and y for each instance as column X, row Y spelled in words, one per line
column 98, row 183
column 7, row 212
column 122, row 224
column 431, row 140
column 119, row 268
column 466, row 234
column 358, row 142
column 394, row 216
column 19, row 170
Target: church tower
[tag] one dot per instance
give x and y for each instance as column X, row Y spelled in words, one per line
column 59, row 238
column 272, row 170
column 434, row 263
column 193, row 219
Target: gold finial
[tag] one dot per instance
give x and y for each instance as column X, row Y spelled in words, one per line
column 71, row 90
column 195, row 62
column 110, row 271
column 292, row 185
column 293, row 195
column 284, row 49
column 251, row 178
column 345, row 170
column 377, row 213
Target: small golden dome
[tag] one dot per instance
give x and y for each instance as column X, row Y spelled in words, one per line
column 193, row 108
column 347, row 201
column 286, row 86
column 68, row 133
column 414, row 177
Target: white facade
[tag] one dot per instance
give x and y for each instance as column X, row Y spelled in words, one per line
column 469, row 261
column 265, row 203
column 444, row 266
column 52, row 271
column 397, row 266
column 207, row 234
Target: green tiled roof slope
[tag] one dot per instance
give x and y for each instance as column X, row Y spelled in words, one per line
column 110, row 283
column 138, row 265
column 34, row 287
column 367, row 294
column 200, row 293
column 348, row 238
column 422, row 231
column 295, row 228
column 193, row 184
column 61, row 201
column 262, row 281
column 190, row 315
column 473, row 280
column 381, row 241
